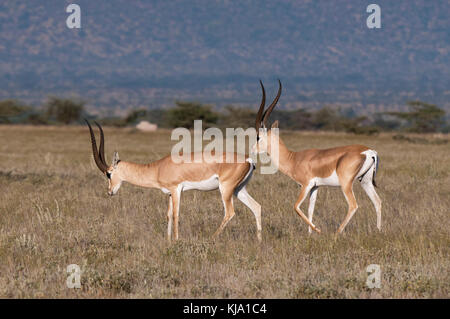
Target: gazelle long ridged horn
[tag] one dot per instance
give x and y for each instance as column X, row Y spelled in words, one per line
column 261, row 108
column 102, row 166
column 101, row 149
column 270, row 108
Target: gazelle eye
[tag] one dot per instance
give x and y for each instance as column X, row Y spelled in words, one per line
column 108, row 174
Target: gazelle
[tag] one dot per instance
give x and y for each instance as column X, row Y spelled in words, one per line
column 312, row 168
column 173, row 178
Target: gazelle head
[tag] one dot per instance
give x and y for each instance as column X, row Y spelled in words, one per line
column 112, row 172
column 263, row 139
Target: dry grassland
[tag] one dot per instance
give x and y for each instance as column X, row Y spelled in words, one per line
column 54, row 211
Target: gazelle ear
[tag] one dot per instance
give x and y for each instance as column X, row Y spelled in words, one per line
column 275, row 124
column 116, row 159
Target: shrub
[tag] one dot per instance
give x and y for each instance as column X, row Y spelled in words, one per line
column 36, row 119
column 184, row 114
column 10, row 109
column 64, row 110
column 423, row 117
column 237, row 117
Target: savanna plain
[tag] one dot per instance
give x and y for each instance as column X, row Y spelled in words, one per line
column 55, row 211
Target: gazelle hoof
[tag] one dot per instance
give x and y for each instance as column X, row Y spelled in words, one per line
column 310, row 229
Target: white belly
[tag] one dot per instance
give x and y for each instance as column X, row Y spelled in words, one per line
column 205, row 185
column 332, row 180
column 165, row 191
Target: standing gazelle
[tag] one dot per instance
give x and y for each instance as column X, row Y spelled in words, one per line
column 173, row 178
column 338, row 166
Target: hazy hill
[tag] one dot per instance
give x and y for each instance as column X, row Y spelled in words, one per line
column 134, row 53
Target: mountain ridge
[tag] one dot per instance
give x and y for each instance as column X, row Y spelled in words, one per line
column 152, row 53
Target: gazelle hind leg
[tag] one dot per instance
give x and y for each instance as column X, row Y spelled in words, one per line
column 300, row 200
column 227, row 198
column 368, row 187
column 254, row 206
column 169, row 219
column 352, row 205
column 176, row 196
column 312, row 203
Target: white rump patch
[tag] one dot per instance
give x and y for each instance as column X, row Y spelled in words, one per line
column 370, row 154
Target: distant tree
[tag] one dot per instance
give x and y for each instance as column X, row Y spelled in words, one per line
column 384, row 123
column 327, row 119
column 422, row 118
column 299, row 119
column 238, row 117
column 64, row 110
column 184, row 114
column 158, row 116
column 357, row 125
column 112, row 121
column 36, row 119
column 10, row 109
column 135, row 115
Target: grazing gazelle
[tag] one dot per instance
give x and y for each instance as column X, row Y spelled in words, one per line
column 173, row 178
column 338, row 166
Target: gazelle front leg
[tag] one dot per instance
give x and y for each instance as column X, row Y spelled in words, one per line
column 176, row 194
column 169, row 219
column 312, row 203
column 301, row 198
